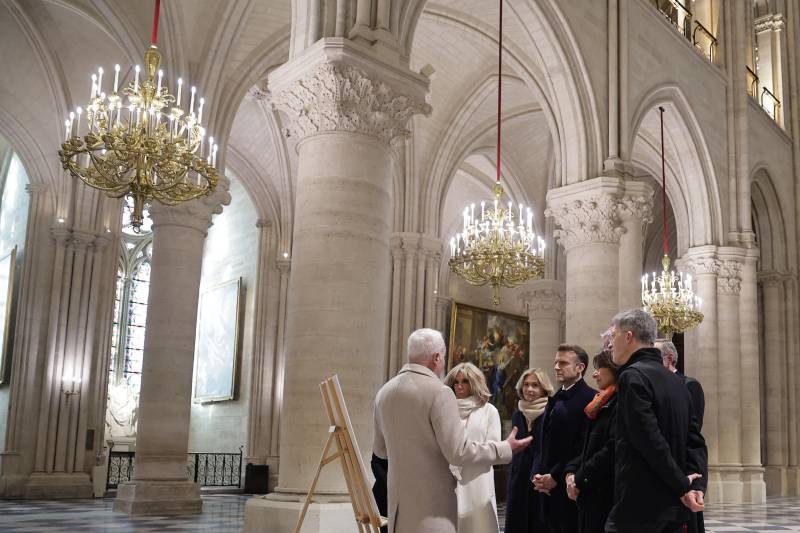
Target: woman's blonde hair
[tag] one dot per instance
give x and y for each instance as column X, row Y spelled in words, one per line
column 477, row 382
column 544, row 381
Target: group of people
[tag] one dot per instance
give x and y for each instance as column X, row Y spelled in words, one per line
column 629, row 458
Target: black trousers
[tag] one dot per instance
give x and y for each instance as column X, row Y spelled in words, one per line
column 644, row 527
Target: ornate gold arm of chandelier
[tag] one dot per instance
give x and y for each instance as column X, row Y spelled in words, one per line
column 495, row 249
column 669, row 296
column 147, row 147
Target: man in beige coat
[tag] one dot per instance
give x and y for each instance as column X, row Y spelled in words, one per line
column 418, row 429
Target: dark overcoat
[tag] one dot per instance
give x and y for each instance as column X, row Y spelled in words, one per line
column 523, row 506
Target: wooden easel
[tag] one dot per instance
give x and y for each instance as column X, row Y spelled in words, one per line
column 340, row 433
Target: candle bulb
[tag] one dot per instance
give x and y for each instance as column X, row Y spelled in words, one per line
column 94, row 86
column 71, row 118
column 99, row 79
column 67, row 127
column 136, row 78
column 191, row 102
column 178, row 99
column 160, row 77
column 79, row 110
column 116, row 78
column 200, row 111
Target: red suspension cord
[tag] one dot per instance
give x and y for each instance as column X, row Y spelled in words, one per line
column 663, row 182
column 154, row 37
column 499, row 88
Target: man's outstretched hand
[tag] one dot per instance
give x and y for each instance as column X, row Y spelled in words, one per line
column 517, row 445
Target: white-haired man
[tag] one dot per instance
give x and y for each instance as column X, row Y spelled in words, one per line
column 418, row 429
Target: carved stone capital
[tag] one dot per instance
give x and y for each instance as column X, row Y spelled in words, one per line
column 773, row 279
column 729, row 276
column 283, row 265
column 593, row 219
column 35, row 189
column 699, row 261
column 195, row 214
column 544, row 299
column 339, row 97
column 636, row 207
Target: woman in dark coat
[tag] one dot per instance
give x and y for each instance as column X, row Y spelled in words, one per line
column 523, row 508
column 590, row 477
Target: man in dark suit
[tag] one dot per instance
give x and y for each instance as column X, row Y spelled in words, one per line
column 562, row 437
column 669, row 358
column 659, row 449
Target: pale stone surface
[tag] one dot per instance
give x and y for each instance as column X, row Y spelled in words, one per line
column 274, row 515
column 545, row 301
column 162, row 497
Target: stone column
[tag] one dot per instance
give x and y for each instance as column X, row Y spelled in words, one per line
column 701, row 359
column 160, row 485
column 545, row 303
column 729, row 285
column 346, row 109
column 635, row 211
column 753, row 487
column 590, row 229
column 776, row 391
column 792, row 333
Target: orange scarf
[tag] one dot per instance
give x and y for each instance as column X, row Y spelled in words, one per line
column 600, row 399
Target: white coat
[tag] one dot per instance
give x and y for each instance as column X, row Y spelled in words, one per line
column 419, row 431
column 477, row 505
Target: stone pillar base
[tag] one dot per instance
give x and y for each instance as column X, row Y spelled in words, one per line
column 271, row 513
column 793, row 481
column 147, row 497
column 777, row 480
column 54, row 486
column 736, row 484
column 754, row 490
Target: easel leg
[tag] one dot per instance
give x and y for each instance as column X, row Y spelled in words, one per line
column 322, row 462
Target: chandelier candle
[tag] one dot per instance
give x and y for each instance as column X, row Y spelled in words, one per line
column 151, row 150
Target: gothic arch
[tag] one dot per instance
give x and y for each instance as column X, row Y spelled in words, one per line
column 692, row 185
column 768, row 223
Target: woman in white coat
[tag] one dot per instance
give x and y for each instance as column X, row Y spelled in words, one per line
column 477, row 506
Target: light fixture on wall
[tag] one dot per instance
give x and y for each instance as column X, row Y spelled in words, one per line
column 669, row 296
column 499, row 247
column 151, row 147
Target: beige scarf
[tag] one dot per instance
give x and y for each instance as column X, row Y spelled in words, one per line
column 532, row 410
column 467, row 405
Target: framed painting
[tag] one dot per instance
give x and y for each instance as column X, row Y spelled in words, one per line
column 498, row 344
column 7, row 270
column 217, row 342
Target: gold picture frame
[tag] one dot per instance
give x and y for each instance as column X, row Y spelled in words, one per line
column 8, row 266
column 497, row 343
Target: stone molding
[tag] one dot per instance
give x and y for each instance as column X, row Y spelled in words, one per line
column 407, row 244
column 594, row 219
column 337, row 97
column 771, row 22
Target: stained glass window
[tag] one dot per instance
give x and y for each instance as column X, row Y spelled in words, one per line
column 130, row 301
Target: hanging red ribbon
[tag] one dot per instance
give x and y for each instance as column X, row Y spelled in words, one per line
column 499, row 88
column 663, row 182
column 154, row 36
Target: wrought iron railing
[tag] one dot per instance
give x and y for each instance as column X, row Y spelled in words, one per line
column 682, row 19
column 120, row 468
column 216, row 469
column 776, row 104
column 209, row 469
column 752, row 83
column 705, row 41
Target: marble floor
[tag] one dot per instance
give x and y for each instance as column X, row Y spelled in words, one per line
column 224, row 513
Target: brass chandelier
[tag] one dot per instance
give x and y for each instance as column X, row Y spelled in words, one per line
column 669, row 296
column 499, row 248
column 150, row 147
